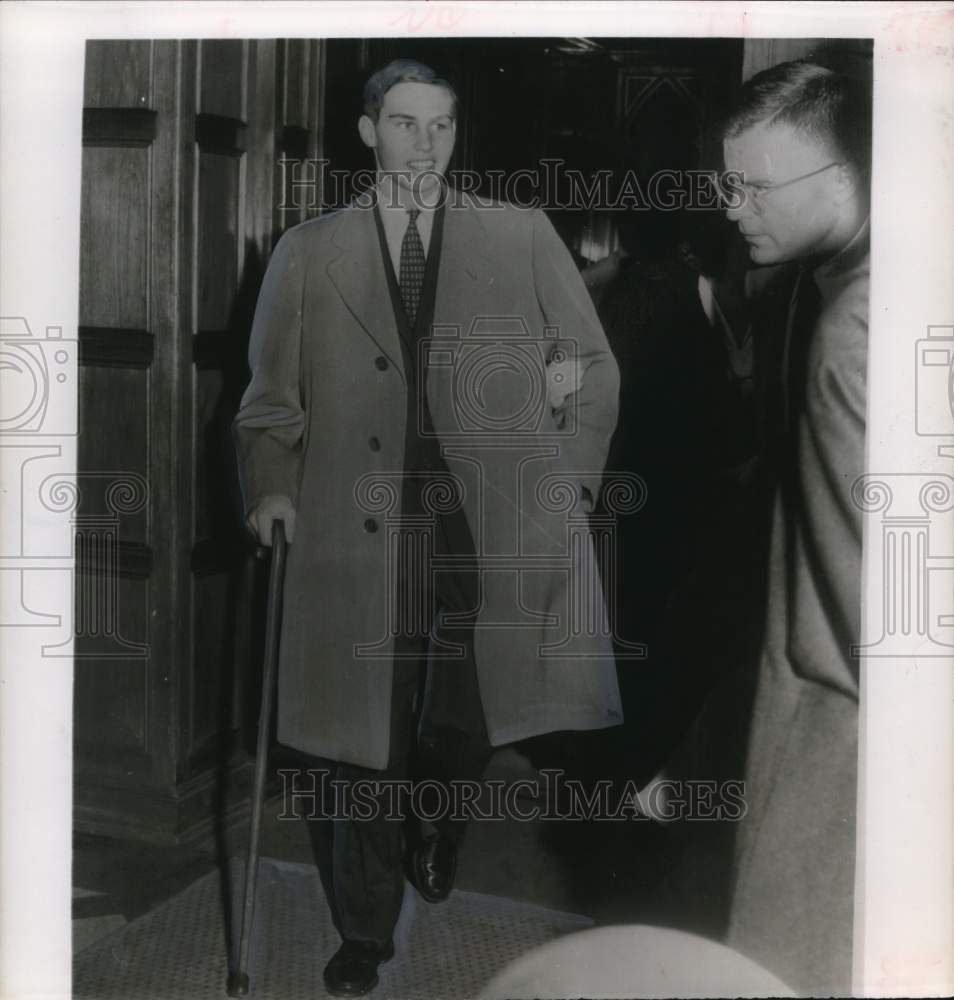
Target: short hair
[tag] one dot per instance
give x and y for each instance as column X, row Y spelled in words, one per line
column 829, row 106
column 399, row 71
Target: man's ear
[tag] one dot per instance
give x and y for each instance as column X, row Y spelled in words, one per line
column 367, row 131
column 847, row 182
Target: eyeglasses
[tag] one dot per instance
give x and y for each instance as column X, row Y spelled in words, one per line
column 755, row 194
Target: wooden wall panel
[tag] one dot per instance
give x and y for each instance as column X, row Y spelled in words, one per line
column 222, row 77
column 659, row 117
column 118, row 74
column 219, row 234
column 295, row 83
column 114, row 268
column 302, row 70
column 226, row 276
column 761, row 53
column 848, row 55
column 212, row 436
column 213, row 709
column 111, row 693
column 261, row 172
column 179, row 216
column 114, row 717
column 114, row 439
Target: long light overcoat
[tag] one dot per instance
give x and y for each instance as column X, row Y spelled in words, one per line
column 323, row 422
column 794, row 872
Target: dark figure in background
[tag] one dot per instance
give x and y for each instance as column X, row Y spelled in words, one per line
column 676, row 318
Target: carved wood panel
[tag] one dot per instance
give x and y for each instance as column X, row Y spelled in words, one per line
column 179, row 214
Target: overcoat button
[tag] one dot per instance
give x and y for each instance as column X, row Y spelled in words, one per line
column 380, row 362
column 370, row 526
column 374, row 444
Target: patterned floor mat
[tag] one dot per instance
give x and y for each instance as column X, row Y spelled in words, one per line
column 179, row 951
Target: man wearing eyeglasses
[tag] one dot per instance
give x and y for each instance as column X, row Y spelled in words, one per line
column 800, row 140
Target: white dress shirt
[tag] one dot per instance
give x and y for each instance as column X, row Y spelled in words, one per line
column 395, row 220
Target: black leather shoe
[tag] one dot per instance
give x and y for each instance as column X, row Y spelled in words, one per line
column 434, row 866
column 353, row 969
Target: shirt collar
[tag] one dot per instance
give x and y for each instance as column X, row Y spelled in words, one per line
column 847, row 259
column 388, row 202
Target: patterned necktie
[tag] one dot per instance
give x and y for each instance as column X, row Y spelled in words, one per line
column 412, row 266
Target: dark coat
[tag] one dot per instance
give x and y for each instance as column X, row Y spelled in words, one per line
column 328, row 378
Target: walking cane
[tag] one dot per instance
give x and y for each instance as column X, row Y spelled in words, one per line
column 238, row 985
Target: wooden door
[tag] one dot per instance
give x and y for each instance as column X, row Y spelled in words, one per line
column 179, row 213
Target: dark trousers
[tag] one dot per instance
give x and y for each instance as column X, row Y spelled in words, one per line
column 438, row 734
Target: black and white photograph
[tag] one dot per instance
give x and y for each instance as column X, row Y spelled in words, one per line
column 480, row 524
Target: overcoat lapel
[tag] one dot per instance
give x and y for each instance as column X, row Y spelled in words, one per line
column 466, row 268
column 358, row 275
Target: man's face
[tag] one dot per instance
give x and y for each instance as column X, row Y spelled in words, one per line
column 796, row 221
column 414, row 134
